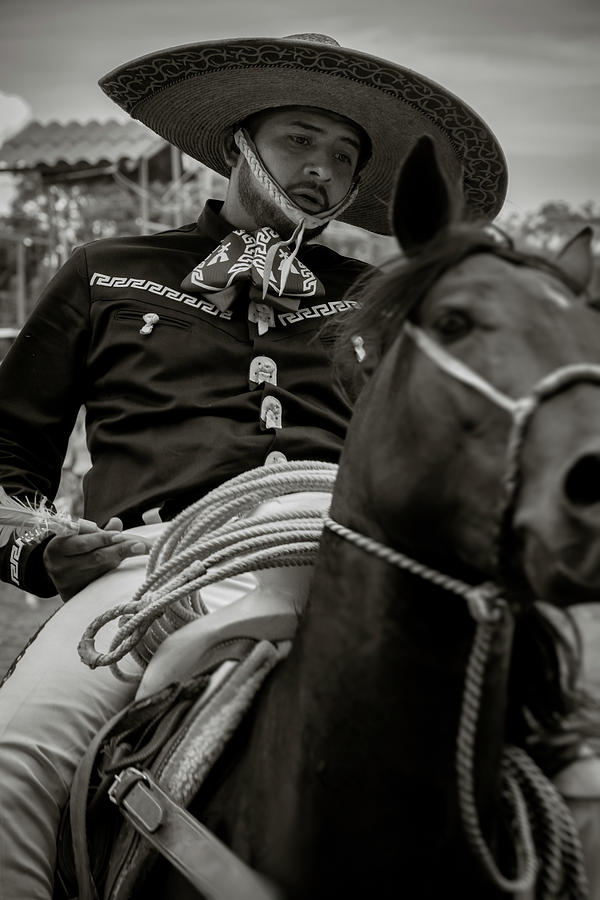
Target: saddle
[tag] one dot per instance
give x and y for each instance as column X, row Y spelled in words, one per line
column 150, row 759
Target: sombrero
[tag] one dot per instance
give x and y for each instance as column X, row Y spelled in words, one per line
column 192, row 94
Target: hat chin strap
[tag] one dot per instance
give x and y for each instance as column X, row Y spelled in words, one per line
column 275, row 193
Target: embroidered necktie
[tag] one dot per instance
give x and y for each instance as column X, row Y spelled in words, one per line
column 277, row 277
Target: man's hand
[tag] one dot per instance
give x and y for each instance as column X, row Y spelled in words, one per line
column 75, row 561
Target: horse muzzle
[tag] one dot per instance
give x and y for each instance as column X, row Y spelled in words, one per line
column 557, row 522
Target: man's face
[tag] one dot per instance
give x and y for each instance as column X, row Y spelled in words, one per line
column 311, row 154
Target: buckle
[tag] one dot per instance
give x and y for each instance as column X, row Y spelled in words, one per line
column 131, row 791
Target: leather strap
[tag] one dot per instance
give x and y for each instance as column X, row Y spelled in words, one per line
column 147, row 710
column 200, row 856
column 452, row 365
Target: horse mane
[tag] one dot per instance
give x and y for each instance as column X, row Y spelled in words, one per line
column 384, row 300
column 549, row 713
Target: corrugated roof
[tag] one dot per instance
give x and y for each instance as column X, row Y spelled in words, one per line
column 77, row 144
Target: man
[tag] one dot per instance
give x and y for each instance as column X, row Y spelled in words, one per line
column 195, row 352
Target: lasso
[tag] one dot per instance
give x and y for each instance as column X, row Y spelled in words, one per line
column 208, row 542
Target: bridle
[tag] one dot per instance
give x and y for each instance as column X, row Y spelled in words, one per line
column 486, row 606
column 521, row 409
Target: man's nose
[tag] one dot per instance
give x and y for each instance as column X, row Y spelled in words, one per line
column 319, row 166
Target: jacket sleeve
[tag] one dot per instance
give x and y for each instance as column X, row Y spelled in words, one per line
column 42, row 386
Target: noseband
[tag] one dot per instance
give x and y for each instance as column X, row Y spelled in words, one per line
column 521, row 410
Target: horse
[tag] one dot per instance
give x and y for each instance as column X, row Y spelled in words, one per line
column 464, row 520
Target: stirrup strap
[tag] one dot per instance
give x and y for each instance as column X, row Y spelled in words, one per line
column 146, row 710
column 200, row 856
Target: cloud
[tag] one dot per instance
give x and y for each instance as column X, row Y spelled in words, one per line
column 14, row 114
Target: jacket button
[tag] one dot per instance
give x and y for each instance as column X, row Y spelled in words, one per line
column 275, row 456
column 262, row 368
column 270, row 413
column 150, row 320
column 262, row 314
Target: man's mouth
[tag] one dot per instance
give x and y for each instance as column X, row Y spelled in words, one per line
column 309, row 199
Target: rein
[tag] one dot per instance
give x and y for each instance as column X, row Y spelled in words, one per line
column 528, row 795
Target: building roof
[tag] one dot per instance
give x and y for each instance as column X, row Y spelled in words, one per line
column 77, row 145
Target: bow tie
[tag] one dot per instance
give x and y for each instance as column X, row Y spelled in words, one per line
column 261, row 258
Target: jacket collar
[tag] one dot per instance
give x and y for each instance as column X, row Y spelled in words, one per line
column 211, row 223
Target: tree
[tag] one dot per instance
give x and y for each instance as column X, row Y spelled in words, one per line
column 553, row 223
column 54, row 217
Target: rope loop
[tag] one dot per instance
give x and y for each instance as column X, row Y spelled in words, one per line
column 485, row 602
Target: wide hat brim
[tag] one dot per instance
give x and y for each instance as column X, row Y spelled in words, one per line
column 192, row 95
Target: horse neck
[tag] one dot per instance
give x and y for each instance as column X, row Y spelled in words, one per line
column 354, row 740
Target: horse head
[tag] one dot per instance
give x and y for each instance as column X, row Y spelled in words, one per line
column 478, row 444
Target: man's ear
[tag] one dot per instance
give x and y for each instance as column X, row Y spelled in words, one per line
column 231, row 152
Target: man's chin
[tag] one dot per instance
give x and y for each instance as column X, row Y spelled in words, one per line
column 265, row 212
column 284, row 227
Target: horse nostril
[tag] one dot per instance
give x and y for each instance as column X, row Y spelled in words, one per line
column 582, row 482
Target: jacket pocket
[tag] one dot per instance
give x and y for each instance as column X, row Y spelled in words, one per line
column 161, row 319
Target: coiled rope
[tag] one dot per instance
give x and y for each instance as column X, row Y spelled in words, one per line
column 208, row 542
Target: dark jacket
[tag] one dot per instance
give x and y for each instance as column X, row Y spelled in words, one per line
column 172, row 413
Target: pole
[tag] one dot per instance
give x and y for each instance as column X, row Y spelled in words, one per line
column 175, row 179
column 145, row 196
column 21, row 284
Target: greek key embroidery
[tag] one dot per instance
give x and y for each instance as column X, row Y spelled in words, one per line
column 15, row 554
column 153, row 287
column 314, row 312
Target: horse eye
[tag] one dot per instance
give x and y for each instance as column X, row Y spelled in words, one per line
column 453, row 324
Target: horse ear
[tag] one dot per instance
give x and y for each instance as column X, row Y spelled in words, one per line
column 576, row 259
column 423, row 203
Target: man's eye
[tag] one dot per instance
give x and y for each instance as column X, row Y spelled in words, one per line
column 343, row 157
column 453, row 324
column 299, row 139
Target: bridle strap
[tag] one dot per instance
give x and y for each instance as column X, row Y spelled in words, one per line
column 457, row 369
column 519, row 408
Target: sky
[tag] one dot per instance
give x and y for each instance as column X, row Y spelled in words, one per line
column 530, row 68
